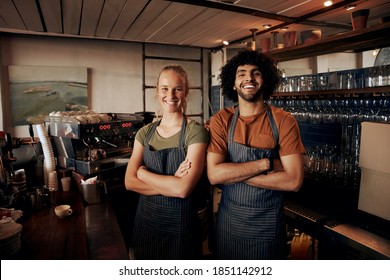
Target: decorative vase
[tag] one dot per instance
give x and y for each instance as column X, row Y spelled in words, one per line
column 310, row 35
column 290, row 38
column 265, row 44
column 359, row 19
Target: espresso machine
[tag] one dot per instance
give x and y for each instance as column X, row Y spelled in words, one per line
column 92, row 143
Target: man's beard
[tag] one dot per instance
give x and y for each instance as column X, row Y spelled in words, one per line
column 250, row 97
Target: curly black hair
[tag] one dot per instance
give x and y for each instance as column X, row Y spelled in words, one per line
column 267, row 66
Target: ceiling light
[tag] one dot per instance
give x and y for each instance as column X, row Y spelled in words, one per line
column 328, row 3
column 375, row 52
column 284, row 28
column 350, row 7
column 226, row 43
column 267, row 26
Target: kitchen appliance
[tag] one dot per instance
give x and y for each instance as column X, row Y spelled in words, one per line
column 90, row 143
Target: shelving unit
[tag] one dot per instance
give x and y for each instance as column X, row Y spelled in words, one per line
column 343, row 196
column 335, row 92
column 360, row 40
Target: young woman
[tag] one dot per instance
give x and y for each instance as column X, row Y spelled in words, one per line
column 166, row 165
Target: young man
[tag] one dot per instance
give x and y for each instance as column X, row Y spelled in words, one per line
column 255, row 154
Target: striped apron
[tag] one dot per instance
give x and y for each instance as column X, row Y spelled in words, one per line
column 166, row 227
column 250, row 223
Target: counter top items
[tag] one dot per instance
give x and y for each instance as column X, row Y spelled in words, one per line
column 9, row 238
column 52, row 181
column 19, row 180
column 66, row 183
column 91, row 147
column 49, row 163
column 14, row 214
column 90, row 232
column 92, row 190
column 46, row 237
column 63, row 211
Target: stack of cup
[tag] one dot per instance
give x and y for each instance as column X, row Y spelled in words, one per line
column 52, row 182
column 49, row 163
column 66, row 184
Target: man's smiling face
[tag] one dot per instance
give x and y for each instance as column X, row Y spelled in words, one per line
column 248, row 82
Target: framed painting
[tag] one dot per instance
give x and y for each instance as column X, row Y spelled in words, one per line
column 35, row 91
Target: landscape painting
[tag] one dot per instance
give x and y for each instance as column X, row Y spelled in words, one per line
column 35, row 91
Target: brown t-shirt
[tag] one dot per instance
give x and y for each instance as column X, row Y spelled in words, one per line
column 255, row 131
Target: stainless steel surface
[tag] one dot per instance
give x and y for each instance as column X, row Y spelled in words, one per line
column 68, row 127
column 93, row 167
column 180, row 22
column 94, row 147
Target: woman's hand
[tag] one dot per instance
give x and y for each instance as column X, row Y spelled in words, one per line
column 140, row 170
column 183, row 168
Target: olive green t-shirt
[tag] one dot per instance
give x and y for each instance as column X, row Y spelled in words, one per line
column 195, row 133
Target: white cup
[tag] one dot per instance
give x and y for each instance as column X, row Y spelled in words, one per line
column 63, row 211
column 66, row 183
column 53, row 180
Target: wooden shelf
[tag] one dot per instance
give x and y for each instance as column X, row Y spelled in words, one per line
column 360, row 40
column 334, row 92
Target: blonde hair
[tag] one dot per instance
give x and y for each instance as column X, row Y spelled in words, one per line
column 178, row 69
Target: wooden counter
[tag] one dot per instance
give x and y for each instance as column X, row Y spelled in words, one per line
column 362, row 240
column 91, row 232
column 329, row 214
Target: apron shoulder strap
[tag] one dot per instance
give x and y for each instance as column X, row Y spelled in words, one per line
column 150, row 132
column 274, row 128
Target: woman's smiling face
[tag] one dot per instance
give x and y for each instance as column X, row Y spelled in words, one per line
column 171, row 90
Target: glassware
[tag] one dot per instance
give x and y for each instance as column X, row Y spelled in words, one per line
column 322, row 82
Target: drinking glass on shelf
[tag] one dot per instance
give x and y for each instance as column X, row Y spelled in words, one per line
column 359, row 78
column 329, row 115
column 283, row 87
column 302, row 110
column 341, row 80
column 383, row 113
column 350, row 80
column 322, row 81
column 332, row 80
column 293, row 84
column 368, row 110
column 316, row 113
column 381, row 76
column 311, row 160
column 369, row 77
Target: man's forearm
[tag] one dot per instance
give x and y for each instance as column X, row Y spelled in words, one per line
column 230, row 173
